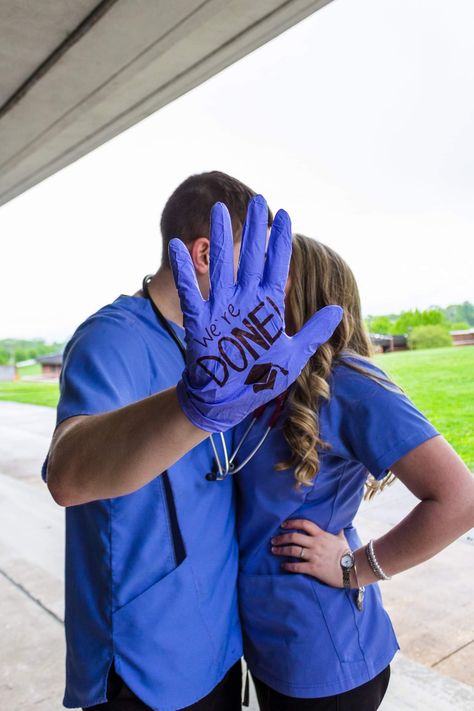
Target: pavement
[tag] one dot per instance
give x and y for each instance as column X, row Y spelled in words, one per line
column 431, row 606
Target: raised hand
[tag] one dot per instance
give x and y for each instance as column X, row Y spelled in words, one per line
column 238, row 355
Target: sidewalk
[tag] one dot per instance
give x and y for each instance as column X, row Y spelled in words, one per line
column 432, row 606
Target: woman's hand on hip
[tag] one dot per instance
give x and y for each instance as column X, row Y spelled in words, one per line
column 319, row 552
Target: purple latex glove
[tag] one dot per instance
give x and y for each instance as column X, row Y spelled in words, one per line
column 238, row 355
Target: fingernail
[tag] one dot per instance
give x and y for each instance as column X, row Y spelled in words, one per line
column 273, row 549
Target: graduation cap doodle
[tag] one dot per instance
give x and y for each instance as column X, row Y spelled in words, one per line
column 263, row 376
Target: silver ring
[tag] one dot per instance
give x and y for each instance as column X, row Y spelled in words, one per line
column 301, row 552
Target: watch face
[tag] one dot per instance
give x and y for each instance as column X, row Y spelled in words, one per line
column 347, row 561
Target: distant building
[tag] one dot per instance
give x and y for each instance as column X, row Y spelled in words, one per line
column 463, row 338
column 51, row 365
column 399, row 343
column 383, row 343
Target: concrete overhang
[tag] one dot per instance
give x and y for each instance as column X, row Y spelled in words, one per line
column 74, row 74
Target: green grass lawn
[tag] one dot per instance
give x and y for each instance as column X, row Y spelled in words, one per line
column 440, row 382
column 34, row 369
column 33, row 393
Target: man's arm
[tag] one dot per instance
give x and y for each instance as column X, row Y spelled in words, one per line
column 115, row 453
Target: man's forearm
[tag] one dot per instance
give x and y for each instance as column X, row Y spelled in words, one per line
column 118, row 452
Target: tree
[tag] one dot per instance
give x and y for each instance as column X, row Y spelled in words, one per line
column 411, row 319
column 461, row 312
column 467, row 311
column 380, row 324
column 5, row 356
column 20, row 354
column 429, row 337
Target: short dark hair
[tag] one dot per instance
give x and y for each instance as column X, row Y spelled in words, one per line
column 187, row 212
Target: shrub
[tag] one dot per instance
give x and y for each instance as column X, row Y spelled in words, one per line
column 429, row 337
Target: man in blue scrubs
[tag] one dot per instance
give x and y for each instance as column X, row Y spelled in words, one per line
column 151, row 576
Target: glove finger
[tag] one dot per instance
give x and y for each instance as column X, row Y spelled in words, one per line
column 254, row 241
column 221, row 250
column 317, row 330
column 277, row 263
column 190, row 296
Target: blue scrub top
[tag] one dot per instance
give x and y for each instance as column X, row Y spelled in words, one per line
column 150, row 577
column 302, row 637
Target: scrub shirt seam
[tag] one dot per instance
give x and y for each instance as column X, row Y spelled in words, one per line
column 354, row 615
column 382, row 660
column 346, row 592
column 203, row 619
column 339, row 483
column 136, row 323
column 133, row 320
column 164, row 508
column 149, row 350
column 316, row 596
column 111, row 599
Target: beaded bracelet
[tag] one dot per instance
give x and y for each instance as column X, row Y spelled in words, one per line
column 374, row 564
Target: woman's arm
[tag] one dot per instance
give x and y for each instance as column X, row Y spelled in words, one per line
column 436, row 475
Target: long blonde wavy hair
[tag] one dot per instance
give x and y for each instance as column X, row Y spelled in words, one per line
column 320, row 277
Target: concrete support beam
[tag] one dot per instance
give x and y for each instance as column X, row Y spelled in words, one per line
column 73, row 89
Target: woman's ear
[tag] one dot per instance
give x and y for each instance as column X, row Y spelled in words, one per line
column 199, row 251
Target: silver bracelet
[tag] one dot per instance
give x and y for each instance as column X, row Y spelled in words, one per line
column 373, row 562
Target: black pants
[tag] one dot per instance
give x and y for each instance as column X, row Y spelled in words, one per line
column 225, row 696
column 367, row 697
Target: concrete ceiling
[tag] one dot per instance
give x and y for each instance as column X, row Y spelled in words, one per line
column 75, row 73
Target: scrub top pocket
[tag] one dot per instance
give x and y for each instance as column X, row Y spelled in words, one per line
column 339, row 610
column 146, row 630
column 289, row 618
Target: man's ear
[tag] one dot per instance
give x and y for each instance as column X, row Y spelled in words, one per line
column 199, row 251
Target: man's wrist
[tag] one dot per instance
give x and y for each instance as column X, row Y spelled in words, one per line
column 191, row 411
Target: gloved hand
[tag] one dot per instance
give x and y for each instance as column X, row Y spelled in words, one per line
column 238, row 355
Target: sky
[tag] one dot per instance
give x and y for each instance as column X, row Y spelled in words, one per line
column 358, row 121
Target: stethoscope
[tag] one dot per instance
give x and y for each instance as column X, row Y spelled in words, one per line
column 222, row 471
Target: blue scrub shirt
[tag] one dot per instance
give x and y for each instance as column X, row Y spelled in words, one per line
column 150, row 577
column 302, row 637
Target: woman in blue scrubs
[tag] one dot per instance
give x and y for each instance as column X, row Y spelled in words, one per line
column 316, row 633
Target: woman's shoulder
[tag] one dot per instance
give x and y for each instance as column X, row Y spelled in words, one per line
column 355, row 378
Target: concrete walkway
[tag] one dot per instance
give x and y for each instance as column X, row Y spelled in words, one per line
column 431, row 606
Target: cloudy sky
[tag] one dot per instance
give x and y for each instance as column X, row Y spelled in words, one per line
column 358, row 121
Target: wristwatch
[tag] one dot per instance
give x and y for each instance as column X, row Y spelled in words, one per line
column 347, row 564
